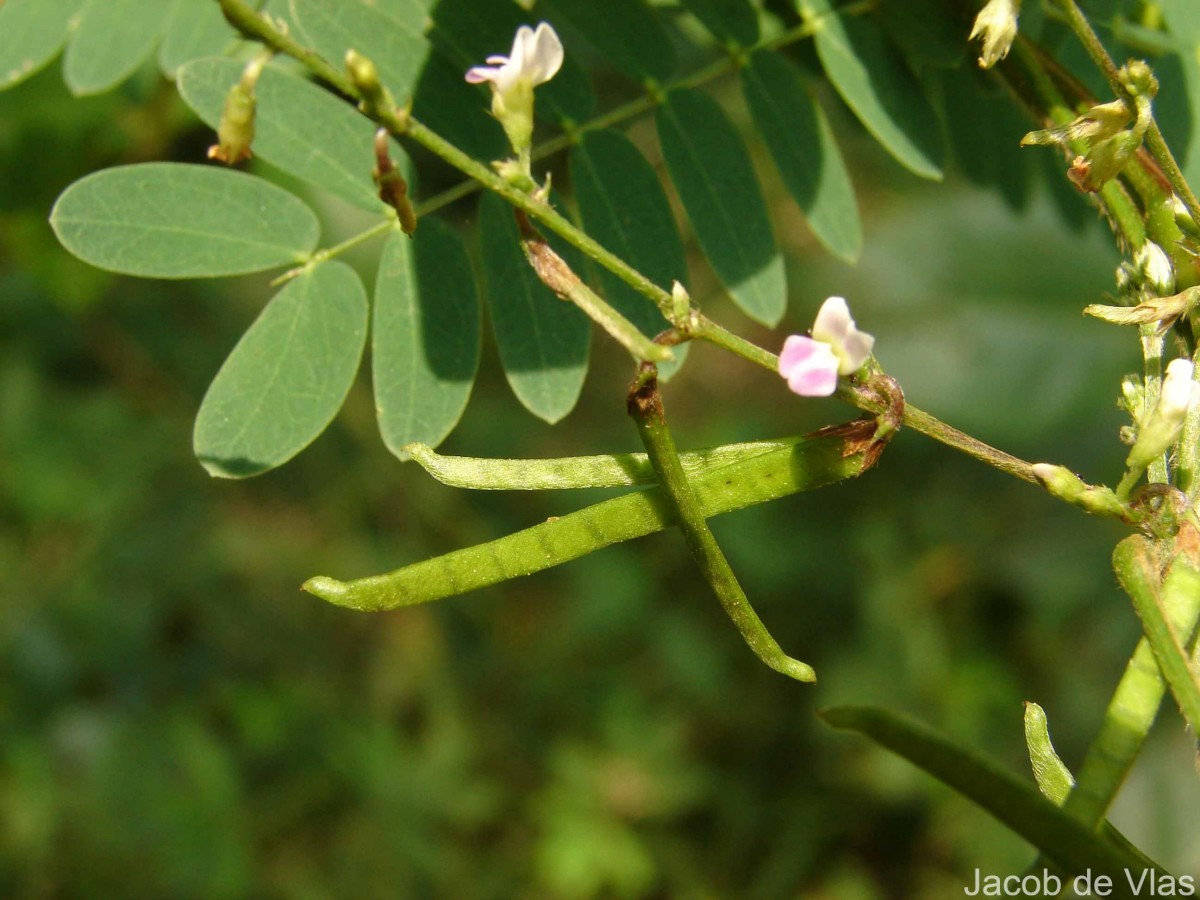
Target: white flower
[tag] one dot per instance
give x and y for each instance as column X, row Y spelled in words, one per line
column 1180, row 392
column 812, row 365
column 535, row 58
column 1155, row 265
column 997, row 24
column 1180, row 395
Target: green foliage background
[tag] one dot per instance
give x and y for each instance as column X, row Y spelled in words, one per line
column 176, row 719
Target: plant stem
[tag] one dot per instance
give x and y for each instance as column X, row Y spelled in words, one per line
column 259, row 26
column 391, row 223
column 645, row 406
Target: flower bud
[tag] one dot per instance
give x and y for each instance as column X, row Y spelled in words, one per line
column 365, row 78
column 1180, row 395
column 235, row 132
column 1156, row 268
column 681, row 302
column 996, row 24
column 1066, row 485
column 1138, row 78
column 393, row 189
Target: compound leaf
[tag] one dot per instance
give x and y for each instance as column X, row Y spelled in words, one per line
column 172, row 220
column 287, row 377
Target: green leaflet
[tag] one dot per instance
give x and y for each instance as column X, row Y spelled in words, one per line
column 425, row 335
column 31, row 33
column 802, row 144
column 623, row 206
column 627, row 32
column 1071, row 845
column 733, row 22
column 172, row 220
column 299, row 128
column 194, row 29
column 287, row 377
column 395, row 44
column 466, row 32
column 112, row 39
column 543, row 341
column 812, row 462
column 714, row 176
column 573, row 472
column 875, row 83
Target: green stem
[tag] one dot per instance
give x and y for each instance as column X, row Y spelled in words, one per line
column 645, row 406
column 1162, row 154
column 699, row 327
column 391, row 223
column 259, row 26
column 538, row 209
column 702, row 328
column 554, row 272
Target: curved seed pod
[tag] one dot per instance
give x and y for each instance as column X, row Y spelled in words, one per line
column 812, row 462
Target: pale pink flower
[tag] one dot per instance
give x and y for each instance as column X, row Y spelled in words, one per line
column 536, row 57
column 812, row 365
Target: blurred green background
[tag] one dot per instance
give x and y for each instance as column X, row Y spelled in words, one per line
column 178, row 720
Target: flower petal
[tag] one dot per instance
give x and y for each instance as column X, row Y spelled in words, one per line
column 1179, row 392
column 833, row 323
column 523, row 48
column 480, row 74
column 545, row 55
column 810, row 366
column 855, row 350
